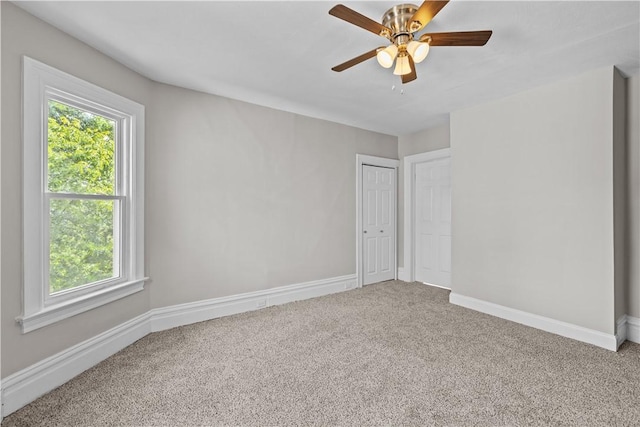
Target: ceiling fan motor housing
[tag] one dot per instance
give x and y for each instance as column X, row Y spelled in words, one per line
column 398, row 20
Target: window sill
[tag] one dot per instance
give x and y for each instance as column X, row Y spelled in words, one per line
column 79, row 305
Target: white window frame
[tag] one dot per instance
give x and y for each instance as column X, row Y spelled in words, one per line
column 42, row 83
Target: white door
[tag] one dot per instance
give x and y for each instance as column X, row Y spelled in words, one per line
column 433, row 222
column 378, row 223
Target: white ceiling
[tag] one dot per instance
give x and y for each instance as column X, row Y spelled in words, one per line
column 280, row 54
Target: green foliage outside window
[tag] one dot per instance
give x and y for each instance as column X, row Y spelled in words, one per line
column 81, row 159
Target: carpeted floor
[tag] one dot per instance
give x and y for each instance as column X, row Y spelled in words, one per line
column 388, row 354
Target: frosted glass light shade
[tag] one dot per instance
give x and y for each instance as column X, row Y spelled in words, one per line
column 418, row 50
column 386, row 56
column 402, row 66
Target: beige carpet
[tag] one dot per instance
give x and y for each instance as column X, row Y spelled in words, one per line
column 388, row 354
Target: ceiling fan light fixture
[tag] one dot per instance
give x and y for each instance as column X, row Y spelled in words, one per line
column 402, row 66
column 387, row 55
column 418, row 50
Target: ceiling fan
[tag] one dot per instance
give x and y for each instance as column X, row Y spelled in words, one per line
column 400, row 25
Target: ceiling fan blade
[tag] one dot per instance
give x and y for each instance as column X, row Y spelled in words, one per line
column 343, row 12
column 355, row 61
column 406, row 78
column 425, row 14
column 463, row 38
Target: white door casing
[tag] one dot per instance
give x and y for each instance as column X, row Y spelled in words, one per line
column 432, row 215
column 409, row 165
column 378, row 223
column 363, row 160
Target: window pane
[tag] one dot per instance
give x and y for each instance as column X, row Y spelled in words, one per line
column 81, row 151
column 81, row 242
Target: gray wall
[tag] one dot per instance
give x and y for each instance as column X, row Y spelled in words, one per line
column 239, row 197
column 430, row 139
column 532, row 185
column 620, row 193
column 633, row 195
column 22, row 34
column 0, row 212
column 627, row 91
column 243, row 198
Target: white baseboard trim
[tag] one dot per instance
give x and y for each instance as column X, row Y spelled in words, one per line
column 632, row 328
column 25, row 386
column 436, row 286
column 402, row 275
column 185, row 314
column 590, row 336
column 30, row 383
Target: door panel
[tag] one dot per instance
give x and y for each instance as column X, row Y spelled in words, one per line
column 427, row 203
column 445, row 204
column 386, row 208
column 445, row 254
column 426, row 254
column 371, row 209
column 432, row 202
column 371, row 250
column 385, row 256
column 379, row 212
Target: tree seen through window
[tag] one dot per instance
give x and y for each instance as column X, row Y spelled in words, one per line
column 81, row 160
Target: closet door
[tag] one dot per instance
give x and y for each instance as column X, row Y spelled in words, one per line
column 378, row 220
column 433, row 222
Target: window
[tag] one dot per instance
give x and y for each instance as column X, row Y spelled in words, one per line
column 83, row 196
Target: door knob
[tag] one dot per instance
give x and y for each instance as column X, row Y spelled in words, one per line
column 365, row 231
column 382, row 231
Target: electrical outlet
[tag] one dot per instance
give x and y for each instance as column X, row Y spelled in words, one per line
column 261, row 303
